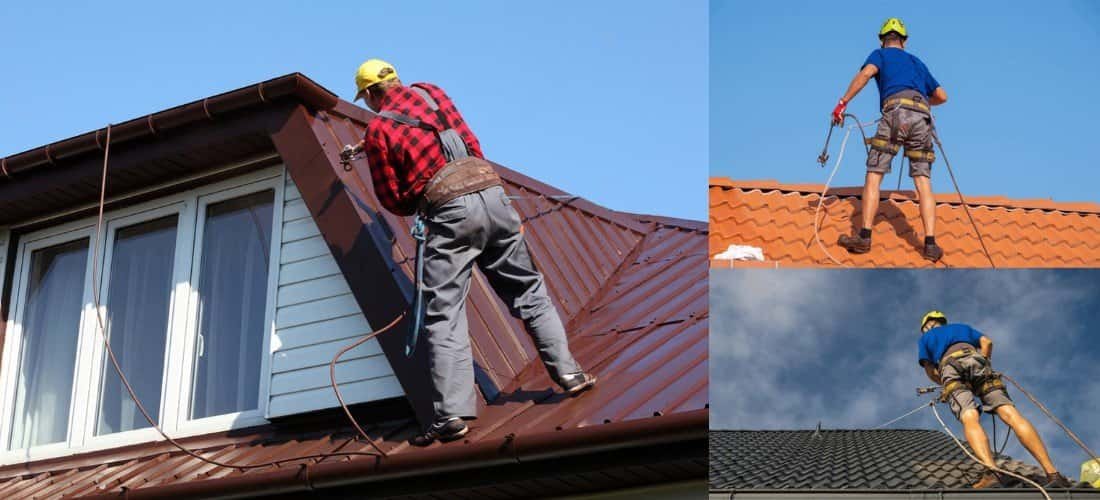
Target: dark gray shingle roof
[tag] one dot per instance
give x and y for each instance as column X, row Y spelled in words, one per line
column 887, row 459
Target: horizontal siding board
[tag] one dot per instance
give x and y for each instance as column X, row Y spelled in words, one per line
column 318, row 376
column 303, row 250
column 292, row 192
column 299, row 230
column 323, row 331
column 320, row 288
column 318, row 310
column 317, row 267
column 321, row 354
column 356, row 392
column 294, row 210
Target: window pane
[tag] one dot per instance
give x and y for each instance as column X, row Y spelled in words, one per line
column 232, row 302
column 137, row 322
column 51, row 324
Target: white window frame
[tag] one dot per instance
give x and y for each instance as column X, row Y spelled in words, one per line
column 190, row 207
column 256, row 415
column 13, row 339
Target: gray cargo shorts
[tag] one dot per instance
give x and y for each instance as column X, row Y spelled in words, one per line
column 902, row 127
column 971, row 371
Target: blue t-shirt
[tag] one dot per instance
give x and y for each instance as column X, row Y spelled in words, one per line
column 935, row 342
column 899, row 70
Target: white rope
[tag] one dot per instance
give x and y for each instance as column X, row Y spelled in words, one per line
column 821, row 199
column 919, row 408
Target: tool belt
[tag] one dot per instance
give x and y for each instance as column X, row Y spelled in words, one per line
column 457, row 178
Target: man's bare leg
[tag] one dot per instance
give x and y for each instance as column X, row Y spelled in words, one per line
column 927, row 204
column 1027, row 436
column 975, row 436
column 871, row 186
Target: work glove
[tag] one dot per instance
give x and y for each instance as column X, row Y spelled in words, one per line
column 838, row 112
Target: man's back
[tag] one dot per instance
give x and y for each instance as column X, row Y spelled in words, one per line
column 899, row 70
column 403, row 158
column 935, row 342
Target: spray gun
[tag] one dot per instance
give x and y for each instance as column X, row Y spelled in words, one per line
column 349, row 153
column 823, row 158
column 925, row 390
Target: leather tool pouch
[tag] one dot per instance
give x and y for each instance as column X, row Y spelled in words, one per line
column 460, row 177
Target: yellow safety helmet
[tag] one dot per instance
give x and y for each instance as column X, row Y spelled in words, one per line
column 371, row 72
column 893, row 24
column 933, row 314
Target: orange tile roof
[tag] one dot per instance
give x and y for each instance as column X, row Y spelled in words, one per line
column 779, row 218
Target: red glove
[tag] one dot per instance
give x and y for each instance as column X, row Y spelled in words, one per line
column 838, row 112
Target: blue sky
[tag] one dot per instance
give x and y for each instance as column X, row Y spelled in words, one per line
column 573, row 93
column 791, row 348
column 1021, row 79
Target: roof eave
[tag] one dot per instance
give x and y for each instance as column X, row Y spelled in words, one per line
column 294, row 85
column 511, row 449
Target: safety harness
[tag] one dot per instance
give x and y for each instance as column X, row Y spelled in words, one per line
column 463, row 174
column 892, row 145
column 987, row 382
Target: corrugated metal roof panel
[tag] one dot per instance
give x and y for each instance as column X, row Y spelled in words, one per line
column 633, row 290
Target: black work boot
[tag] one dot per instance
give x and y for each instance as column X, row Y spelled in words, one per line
column 446, row 429
column 1057, row 480
column 989, row 479
column 932, row 252
column 576, row 383
column 854, row 243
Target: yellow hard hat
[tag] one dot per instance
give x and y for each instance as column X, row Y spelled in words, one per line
column 372, row 72
column 893, row 24
column 932, row 315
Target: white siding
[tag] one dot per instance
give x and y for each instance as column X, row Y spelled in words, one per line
column 316, row 315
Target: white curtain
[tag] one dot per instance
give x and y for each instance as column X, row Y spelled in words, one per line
column 233, row 298
column 138, row 298
column 51, row 324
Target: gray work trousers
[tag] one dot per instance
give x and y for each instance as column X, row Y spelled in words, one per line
column 481, row 227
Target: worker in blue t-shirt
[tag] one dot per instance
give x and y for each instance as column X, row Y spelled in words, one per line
column 956, row 356
column 906, row 89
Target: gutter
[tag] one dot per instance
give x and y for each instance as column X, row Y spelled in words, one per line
column 511, row 449
column 208, row 109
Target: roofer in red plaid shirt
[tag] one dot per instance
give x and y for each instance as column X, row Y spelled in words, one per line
column 425, row 160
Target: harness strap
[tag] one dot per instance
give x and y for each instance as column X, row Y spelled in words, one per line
column 885, row 145
column 921, row 155
column 905, row 102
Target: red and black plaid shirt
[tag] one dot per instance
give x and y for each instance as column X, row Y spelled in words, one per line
column 403, row 158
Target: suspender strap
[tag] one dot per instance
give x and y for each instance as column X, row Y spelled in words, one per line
column 454, row 148
column 406, row 120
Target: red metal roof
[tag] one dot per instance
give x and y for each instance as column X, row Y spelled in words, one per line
column 631, row 288
column 779, row 218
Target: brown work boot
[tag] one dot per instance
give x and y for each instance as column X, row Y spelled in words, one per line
column 1057, row 480
column 989, row 479
column 854, row 244
column 932, row 252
